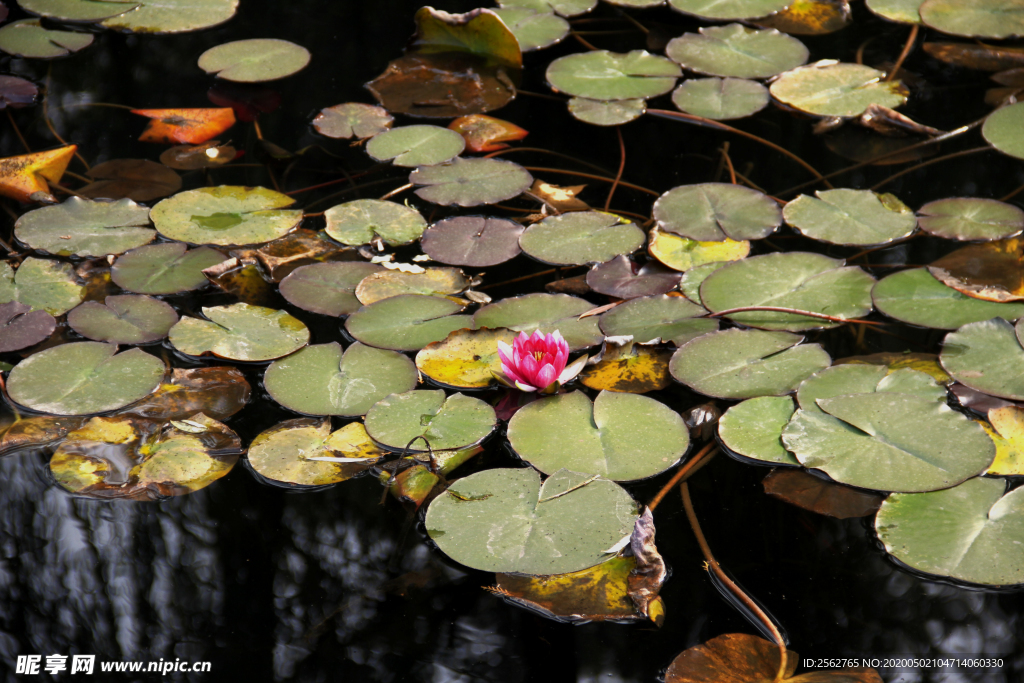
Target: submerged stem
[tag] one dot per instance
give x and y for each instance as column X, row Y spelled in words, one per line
column 702, row 458
column 622, row 167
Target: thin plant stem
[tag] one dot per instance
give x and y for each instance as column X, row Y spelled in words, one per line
column 355, row 188
column 709, row 123
column 17, row 131
column 625, row 15
column 541, row 273
column 256, row 128
column 582, row 41
column 903, row 55
column 702, row 458
column 509, row 150
column 541, row 95
column 728, row 162
column 622, row 167
column 1013, row 194
column 936, row 160
column 542, row 169
column 320, row 185
column 397, row 190
column 712, row 565
column 78, row 177
column 795, row 311
column 94, row 104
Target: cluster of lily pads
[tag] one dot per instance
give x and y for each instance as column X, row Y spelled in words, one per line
column 413, row 378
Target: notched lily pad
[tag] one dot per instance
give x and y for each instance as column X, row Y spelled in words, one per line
column 166, row 268
column 290, row 452
column 737, row 51
column 83, row 227
column 471, row 182
column 604, row 75
column 441, row 282
column 226, row 215
column 720, row 99
column 915, row 297
column 352, row 119
column 465, row 359
column 623, row 278
column 407, row 322
column 173, row 16
column 753, row 429
column 716, row 212
column 653, row 319
column 852, row 217
column 533, row 30
column 544, row 312
column 327, row 288
column 21, row 327
column 28, row 38
column 123, row 319
column 240, row 332
column 254, row 60
column 412, row 146
column 971, row 218
column 581, row 237
column 682, row 253
column 41, row 284
column 830, row 88
column 476, row 241
column 986, row 356
column 445, row 423
column 364, row 220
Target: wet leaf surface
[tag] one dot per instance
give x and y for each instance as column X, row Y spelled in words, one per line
column 903, row 11
column 979, row 18
column 123, row 319
column 327, row 288
column 607, row 113
column 533, row 30
column 285, row 453
column 173, row 16
column 364, row 220
column 810, row 17
column 239, row 332
column 475, row 241
column 445, row 423
column 407, row 322
column 694, row 278
column 226, row 215
column 1002, row 129
column 218, row 392
column 728, row 9
column 21, row 327
column 165, row 268
column 77, row 10
column 544, row 312
column 484, row 133
column 857, row 378
column 991, row 271
column 566, row 8
column 254, row 60
column 753, row 429
column 465, row 359
column 815, row 494
column 737, row 51
column 1008, row 424
column 82, row 227
column 300, row 248
column 480, row 32
column 682, row 253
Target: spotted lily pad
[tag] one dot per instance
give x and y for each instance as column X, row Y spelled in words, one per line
column 544, row 312
column 84, row 227
column 226, row 215
column 240, row 332
column 607, row 112
column 853, row 217
column 412, row 146
column 475, row 241
column 682, row 253
column 737, row 364
column 123, row 319
column 977, row 19
column 254, row 60
column 630, row 368
column 971, row 218
column 352, row 119
column 166, row 268
column 407, row 322
column 364, row 220
column 753, row 429
column 41, row 284
column 603, row 75
column 505, row 520
column 133, row 458
column 720, row 99
column 889, row 442
column 737, row 51
column 21, row 327
column 471, row 182
column 327, row 288
column 914, row 296
column 446, row 423
column 83, row 378
column 836, row 89
column 534, row 30
column 290, row 452
column 653, row 319
column 173, row 16
column 986, row 356
column 465, row 359
column 431, row 282
column 621, row 436
column 320, row 380
column 714, row 212
column 799, row 280
column 581, row 237
column 28, row 38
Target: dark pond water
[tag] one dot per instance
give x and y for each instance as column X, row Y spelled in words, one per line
column 268, row 584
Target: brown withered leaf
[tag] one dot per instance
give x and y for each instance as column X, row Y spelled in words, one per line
column 218, row 391
column 1013, row 78
column 812, row 493
column 94, row 275
column 974, row 56
column 193, row 157
column 891, row 123
column 645, row 581
column 244, row 279
column 810, row 17
column 977, row 401
column 37, row 432
column 630, row 368
column 559, row 197
column 141, row 180
column 301, row 248
column 991, row 271
column 570, row 285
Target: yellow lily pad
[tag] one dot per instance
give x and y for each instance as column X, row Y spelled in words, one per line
column 465, row 359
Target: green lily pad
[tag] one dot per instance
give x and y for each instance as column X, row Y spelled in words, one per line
column 800, row 280
column 976, row 19
column 737, row 51
column 858, row 378
column 566, row 8
column 41, row 284
column 603, row 75
column 970, row 532
column 1002, row 129
column 173, row 16
column 682, row 253
column 453, row 422
column 28, row 38
column 431, row 282
column 226, row 215
column 729, row 9
column 544, row 312
column 471, row 182
column 166, row 268
column 327, row 288
column 320, row 380
column 126, row 457
column 240, row 332
column 851, row 217
column 971, row 218
column 289, row 452
column 836, row 89
column 720, row 99
column 254, row 60
column 986, row 356
column 653, row 319
column 607, row 112
column 412, row 146
column 407, row 322
column 475, row 241
column 505, row 520
column 902, row 11
column 713, row 212
column 534, row 30
column 914, row 296
column 739, row 364
column 83, row 227
column 889, row 442
column 581, row 237
column 77, row 10
column 753, row 429
column 622, row 437
column 363, row 220
column 21, row 327
column 123, row 319
column 694, row 277
column 465, row 359
column 83, row 378
column 352, row 119
column 623, row 278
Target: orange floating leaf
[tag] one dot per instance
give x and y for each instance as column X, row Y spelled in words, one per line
column 485, row 133
column 185, row 126
column 27, row 177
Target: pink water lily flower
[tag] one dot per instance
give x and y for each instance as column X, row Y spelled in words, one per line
column 536, row 363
